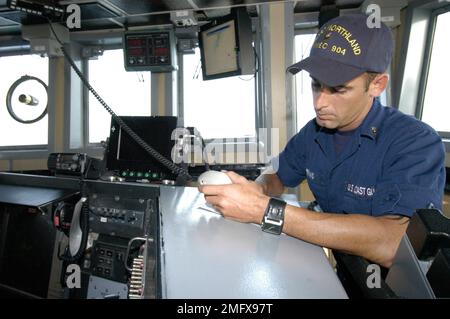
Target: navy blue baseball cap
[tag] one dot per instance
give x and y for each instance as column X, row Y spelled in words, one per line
column 346, row 47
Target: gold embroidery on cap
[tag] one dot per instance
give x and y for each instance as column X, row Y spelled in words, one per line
column 346, row 35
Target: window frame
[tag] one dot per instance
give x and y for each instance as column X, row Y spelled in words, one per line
column 224, row 141
column 300, row 31
column 181, row 106
column 96, row 149
column 426, row 65
column 93, row 147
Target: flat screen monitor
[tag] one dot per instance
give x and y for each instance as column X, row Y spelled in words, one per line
column 219, row 53
column 129, row 159
column 226, row 46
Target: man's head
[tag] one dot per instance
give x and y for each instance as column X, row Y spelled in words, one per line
column 347, row 63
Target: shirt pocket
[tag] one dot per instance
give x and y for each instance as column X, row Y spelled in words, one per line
column 356, row 204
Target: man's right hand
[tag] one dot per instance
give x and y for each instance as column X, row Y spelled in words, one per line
column 243, row 200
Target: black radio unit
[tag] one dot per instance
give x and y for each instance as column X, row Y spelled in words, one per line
column 75, row 164
column 67, row 163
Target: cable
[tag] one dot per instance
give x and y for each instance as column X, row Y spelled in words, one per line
column 84, row 225
column 197, row 70
column 84, row 221
column 242, row 79
column 155, row 154
column 257, row 66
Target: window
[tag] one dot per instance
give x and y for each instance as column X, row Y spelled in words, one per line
column 305, row 107
column 435, row 107
column 127, row 93
column 222, row 108
column 13, row 133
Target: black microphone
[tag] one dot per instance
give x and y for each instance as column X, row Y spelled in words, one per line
column 28, row 99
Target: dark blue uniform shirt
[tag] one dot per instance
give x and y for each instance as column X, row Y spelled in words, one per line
column 392, row 165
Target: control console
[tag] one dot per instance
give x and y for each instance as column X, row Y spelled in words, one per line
column 122, row 209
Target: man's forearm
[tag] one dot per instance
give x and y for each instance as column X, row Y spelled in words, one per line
column 374, row 238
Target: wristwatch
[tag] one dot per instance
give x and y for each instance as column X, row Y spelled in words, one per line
column 273, row 219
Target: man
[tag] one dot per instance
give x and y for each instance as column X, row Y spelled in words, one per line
column 369, row 167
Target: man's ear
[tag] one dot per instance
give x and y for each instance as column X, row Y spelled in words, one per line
column 379, row 84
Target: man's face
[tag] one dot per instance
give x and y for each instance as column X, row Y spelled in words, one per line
column 343, row 107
